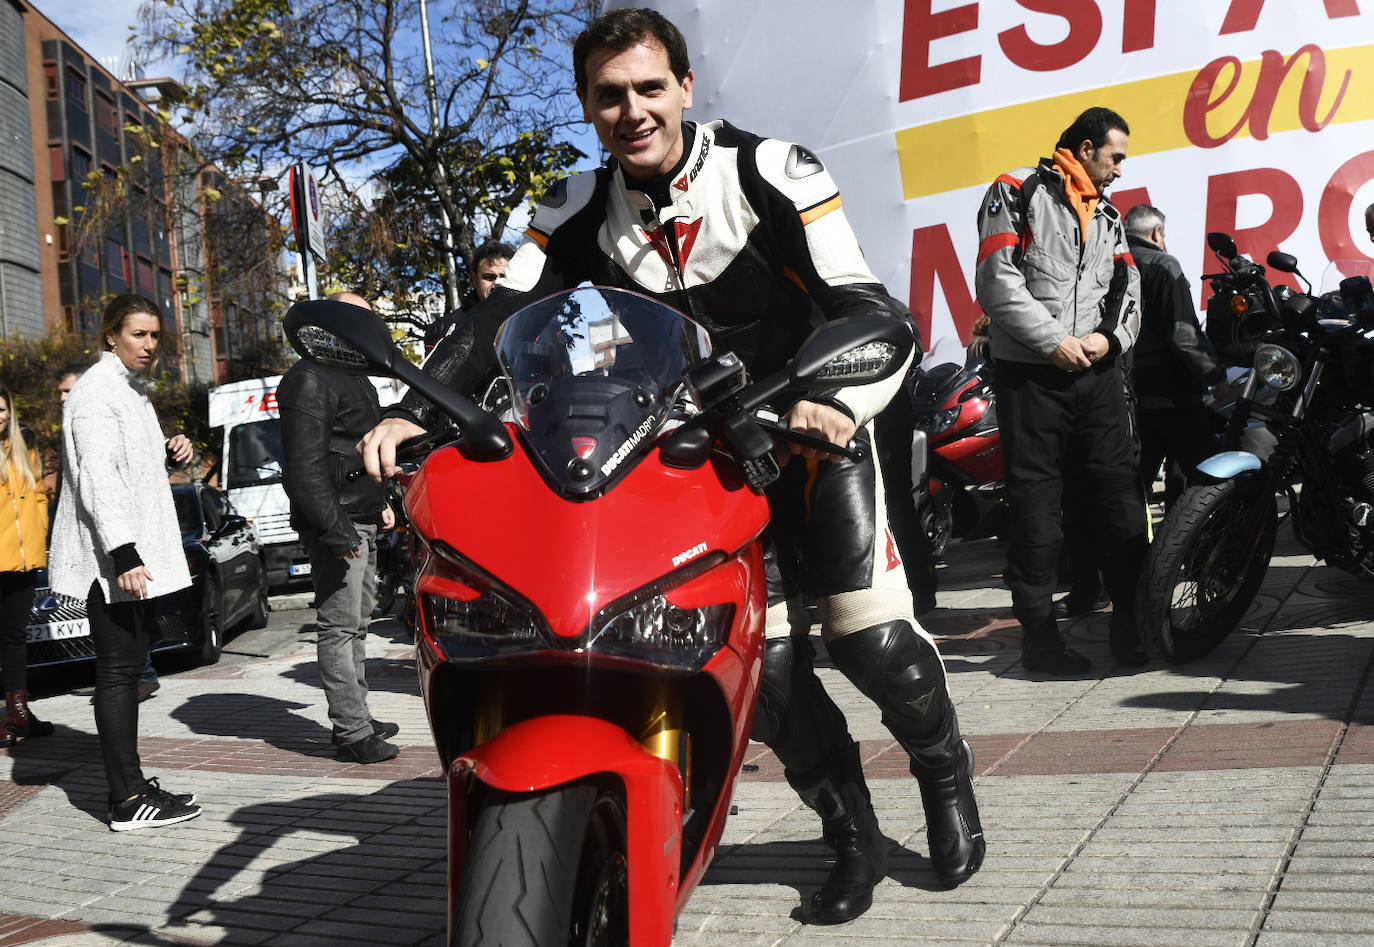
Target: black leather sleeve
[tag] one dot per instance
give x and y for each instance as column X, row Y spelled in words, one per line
column 1186, row 338
column 466, row 358
column 308, row 406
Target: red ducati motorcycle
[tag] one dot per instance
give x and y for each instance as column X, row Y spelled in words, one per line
column 592, row 598
column 956, row 413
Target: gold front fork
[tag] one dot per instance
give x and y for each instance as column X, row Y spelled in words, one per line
column 664, row 737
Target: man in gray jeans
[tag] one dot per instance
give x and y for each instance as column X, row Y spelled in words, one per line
column 325, row 412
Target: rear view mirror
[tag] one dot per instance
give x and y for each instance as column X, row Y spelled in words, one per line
column 349, row 338
column 354, row 339
column 857, row 350
column 1283, row 262
column 1222, row 245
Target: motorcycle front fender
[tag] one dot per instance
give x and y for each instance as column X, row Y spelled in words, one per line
column 1228, row 464
column 551, row 751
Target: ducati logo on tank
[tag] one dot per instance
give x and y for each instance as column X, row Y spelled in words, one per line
column 584, row 446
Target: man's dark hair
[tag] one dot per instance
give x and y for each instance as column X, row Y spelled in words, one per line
column 491, row 250
column 72, row 368
column 620, row 30
column 1093, row 125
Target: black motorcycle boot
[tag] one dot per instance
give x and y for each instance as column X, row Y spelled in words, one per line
column 954, row 832
column 851, row 829
column 900, row 671
column 1043, row 650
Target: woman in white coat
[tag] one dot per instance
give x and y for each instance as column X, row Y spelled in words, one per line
column 116, row 543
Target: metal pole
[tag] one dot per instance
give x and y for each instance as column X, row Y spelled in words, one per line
column 445, row 227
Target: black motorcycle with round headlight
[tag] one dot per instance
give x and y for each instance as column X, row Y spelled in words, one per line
column 1311, row 388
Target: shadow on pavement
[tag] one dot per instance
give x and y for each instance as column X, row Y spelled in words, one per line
column 809, row 863
column 254, row 717
column 69, row 760
column 376, row 874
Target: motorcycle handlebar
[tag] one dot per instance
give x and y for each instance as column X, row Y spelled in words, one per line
column 854, row 451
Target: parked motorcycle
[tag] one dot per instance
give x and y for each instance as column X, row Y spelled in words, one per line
column 592, row 600
column 956, row 417
column 1311, row 388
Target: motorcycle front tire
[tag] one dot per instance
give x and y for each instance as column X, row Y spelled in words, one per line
column 545, row 868
column 1205, row 566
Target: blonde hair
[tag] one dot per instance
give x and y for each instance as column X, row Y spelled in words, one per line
column 15, row 450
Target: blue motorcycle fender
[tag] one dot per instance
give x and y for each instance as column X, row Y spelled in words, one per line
column 1228, row 464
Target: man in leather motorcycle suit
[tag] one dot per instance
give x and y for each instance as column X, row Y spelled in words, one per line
column 1056, row 279
column 746, row 236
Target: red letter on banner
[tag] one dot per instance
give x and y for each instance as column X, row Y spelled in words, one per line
column 1242, row 15
column 1126, row 198
column 1138, row 26
column 1333, row 215
column 1223, row 194
column 1085, row 29
column 919, row 28
column 932, row 258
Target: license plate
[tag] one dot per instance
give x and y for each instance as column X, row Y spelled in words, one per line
column 58, row 630
column 301, row 569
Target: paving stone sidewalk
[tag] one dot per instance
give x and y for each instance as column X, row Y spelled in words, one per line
column 1226, row 802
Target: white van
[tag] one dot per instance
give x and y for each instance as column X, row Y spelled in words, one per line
column 251, row 464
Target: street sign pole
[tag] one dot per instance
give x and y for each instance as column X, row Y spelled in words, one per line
column 308, row 223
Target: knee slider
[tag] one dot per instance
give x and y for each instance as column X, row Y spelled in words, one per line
column 900, row 671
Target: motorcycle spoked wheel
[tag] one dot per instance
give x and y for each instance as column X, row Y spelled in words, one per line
column 1205, row 566
column 545, row 868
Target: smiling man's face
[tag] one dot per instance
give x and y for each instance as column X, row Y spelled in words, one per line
column 635, row 103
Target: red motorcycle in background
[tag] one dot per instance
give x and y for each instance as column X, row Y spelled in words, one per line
column 592, row 595
column 956, row 414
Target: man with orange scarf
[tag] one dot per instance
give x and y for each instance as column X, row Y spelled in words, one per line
column 1057, row 281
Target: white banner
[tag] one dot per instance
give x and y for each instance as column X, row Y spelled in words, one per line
column 1254, row 117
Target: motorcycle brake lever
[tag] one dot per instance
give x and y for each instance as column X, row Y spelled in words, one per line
column 855, row 451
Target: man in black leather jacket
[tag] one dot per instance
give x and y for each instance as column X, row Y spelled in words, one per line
column 1173, row 363
column 747, row 236
column 323, row 413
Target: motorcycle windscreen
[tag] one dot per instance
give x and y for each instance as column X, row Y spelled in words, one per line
column 593, row 375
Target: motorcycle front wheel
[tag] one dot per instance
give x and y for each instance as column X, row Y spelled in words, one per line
column 545, row 869
column 1205, row 566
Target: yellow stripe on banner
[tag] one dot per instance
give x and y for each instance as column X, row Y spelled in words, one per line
column 973, row 149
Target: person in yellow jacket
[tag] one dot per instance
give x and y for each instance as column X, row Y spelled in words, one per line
column 23, row 551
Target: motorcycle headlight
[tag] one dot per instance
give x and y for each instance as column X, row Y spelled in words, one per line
column 486, row 625
column 467, row 617
column 1276, row 367
column 659, row 632
column 939, row 422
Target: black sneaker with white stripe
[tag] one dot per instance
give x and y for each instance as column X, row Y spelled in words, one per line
column 152, row 808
